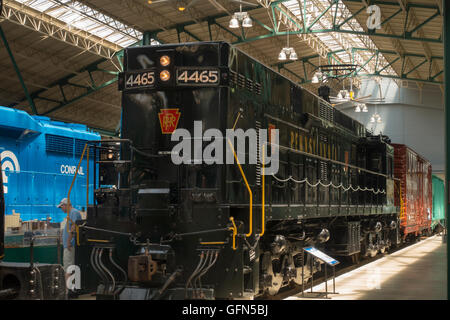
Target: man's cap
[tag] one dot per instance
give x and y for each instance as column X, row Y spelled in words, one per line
column 63, row 202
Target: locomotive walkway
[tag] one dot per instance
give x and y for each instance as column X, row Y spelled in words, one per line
column 417, row 272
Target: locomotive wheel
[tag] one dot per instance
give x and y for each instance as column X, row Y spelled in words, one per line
column 277, row 278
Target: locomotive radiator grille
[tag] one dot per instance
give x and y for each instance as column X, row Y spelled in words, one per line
column 325, row 111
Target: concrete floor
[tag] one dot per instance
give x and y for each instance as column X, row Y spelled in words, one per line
column 418, row 272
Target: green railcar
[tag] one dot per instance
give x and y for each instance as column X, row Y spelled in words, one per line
column 438, row 203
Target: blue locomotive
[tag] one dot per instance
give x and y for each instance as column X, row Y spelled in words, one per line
column 39, row 159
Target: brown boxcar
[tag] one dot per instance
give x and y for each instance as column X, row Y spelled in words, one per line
column 413, row 190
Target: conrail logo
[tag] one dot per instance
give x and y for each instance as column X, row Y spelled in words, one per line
column 10, row 163
column 190, row 150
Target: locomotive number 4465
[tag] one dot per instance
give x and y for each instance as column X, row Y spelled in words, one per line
column 195, row 76
column 140, row 79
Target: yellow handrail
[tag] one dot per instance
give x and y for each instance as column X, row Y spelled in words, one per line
column 68, row 196
column 234, row 232
column 249, row 191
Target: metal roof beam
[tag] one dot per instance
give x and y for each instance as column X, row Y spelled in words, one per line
column 27, row 17
column 397, row 4
column 92, row 13
column 404, row 78
column 19, row 75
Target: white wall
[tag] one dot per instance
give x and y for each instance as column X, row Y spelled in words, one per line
column 412, row 116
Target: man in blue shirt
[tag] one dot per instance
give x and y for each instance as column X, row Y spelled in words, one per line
column 68, row 236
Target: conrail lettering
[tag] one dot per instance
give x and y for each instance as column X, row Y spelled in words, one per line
column 66, row 169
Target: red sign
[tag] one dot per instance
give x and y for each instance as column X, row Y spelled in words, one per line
column 168, row 119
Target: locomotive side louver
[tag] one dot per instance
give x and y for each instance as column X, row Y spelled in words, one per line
column 249, row 85
column 79, row 146
column 257, row 88
column 325, row 111
column 241, row 81
column 233, row 78
column 60, row 144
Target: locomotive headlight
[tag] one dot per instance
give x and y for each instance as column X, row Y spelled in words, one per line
column 164, row 75
column 164, row 61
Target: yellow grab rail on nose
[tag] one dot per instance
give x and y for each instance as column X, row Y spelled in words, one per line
column 234, row 232
column 249, row 191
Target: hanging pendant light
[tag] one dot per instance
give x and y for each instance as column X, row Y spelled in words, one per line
column 241, row 17
column 282, row 55
column 234, row 23
column 358, row 108
column 293, row 55
column 247, row 23
column 315, row 78
column 364, row 108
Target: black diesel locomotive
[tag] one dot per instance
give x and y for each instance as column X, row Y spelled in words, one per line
column 226, row 231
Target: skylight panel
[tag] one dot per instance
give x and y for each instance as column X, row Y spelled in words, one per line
column 78, row 15
column 338, row 41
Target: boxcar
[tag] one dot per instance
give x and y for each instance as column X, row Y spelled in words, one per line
column 414, row 191
column 438, row 203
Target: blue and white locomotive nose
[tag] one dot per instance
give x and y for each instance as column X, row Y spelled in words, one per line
column 39, row 158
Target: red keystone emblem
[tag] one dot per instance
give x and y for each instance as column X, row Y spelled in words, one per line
column 168, row 119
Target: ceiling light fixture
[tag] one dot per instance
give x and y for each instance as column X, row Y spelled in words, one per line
column 376, row 118
column 287, row 52
column 242, row 17
column 315, row 78
column 282, row 56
